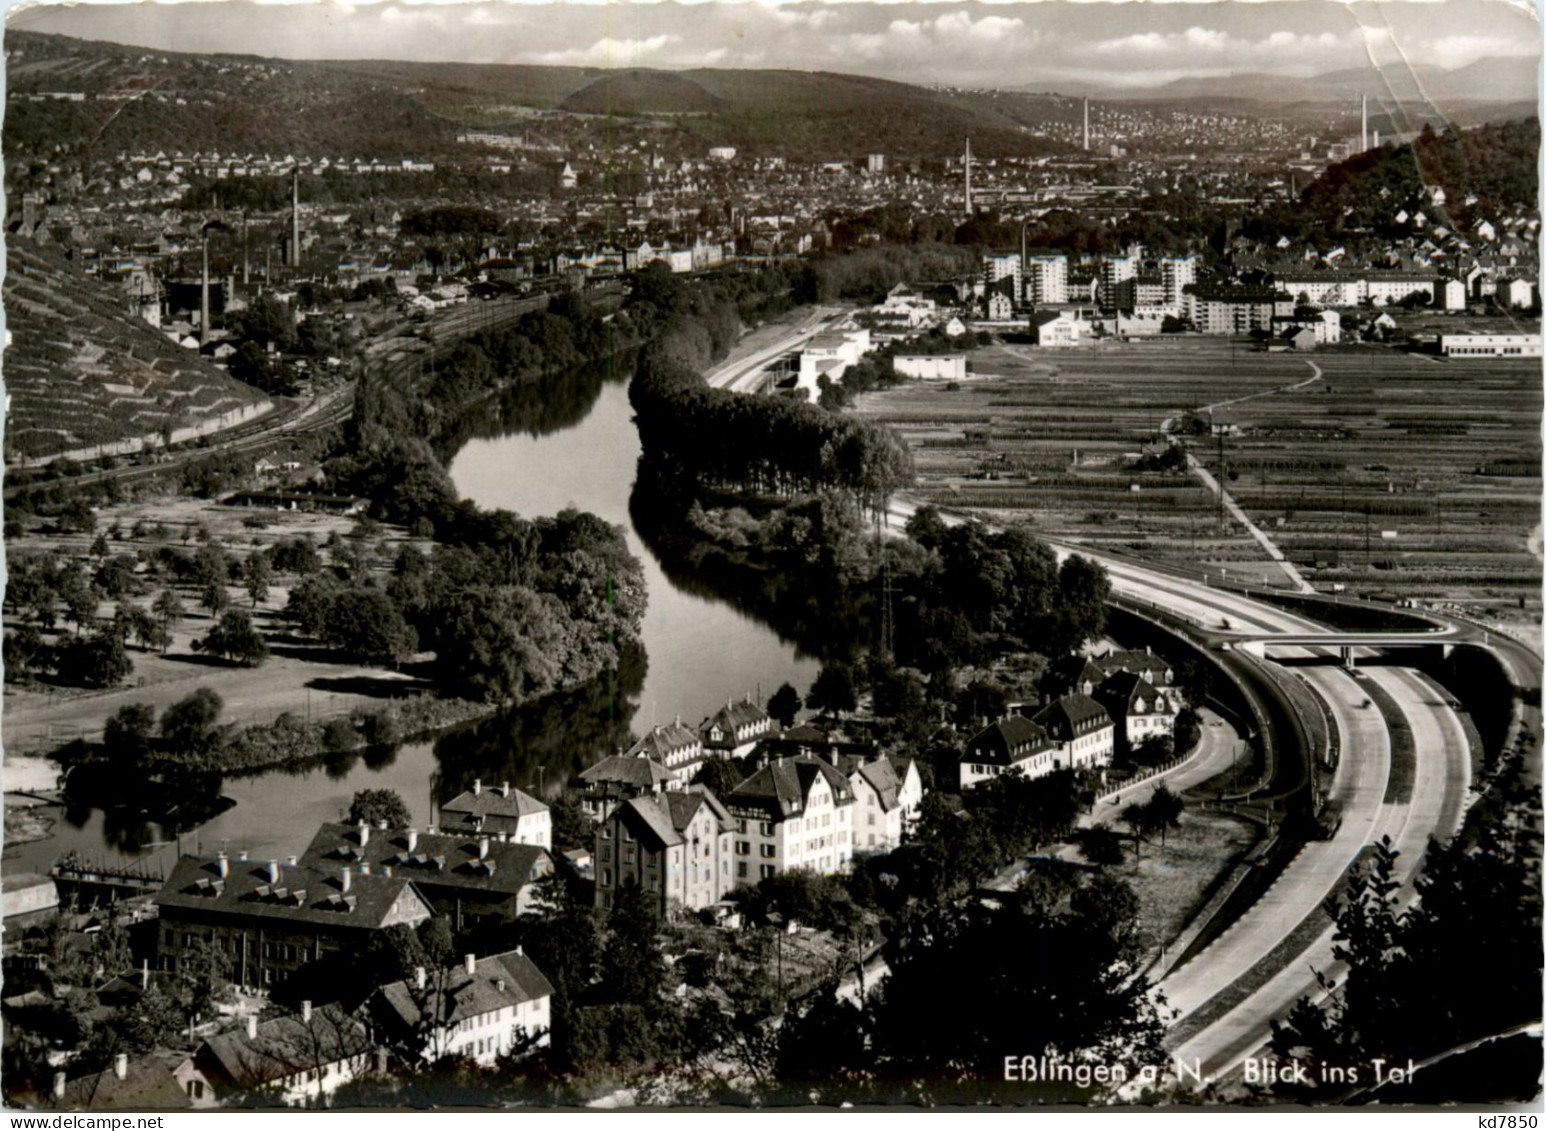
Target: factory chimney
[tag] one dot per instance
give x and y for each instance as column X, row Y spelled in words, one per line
column 204, row 297
column 1087, row 125
column 967, row 178
column 295, row 220
column 1364, row 123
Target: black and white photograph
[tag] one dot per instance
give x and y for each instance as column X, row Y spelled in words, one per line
column 754, row 555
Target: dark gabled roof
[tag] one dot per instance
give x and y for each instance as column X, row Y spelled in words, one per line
column 506, row 801
column 299, row 894
column 284, row 1046
column 484, row 863
column 1063, row 718
column 884, row 779
column 634, row 771
column 1009, row 740
column 660, row 819
column 1122, row 688
column 661, row 740
column 148, row 1085
column 734, row 715
column 780, row 788
column 497, row 982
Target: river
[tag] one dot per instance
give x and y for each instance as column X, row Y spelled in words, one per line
column 698, row 651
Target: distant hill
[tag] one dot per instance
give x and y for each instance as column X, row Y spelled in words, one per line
column 1509, row 79
column 139, row 99
column 82, row 372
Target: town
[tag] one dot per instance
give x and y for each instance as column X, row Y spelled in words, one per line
column 546, row 586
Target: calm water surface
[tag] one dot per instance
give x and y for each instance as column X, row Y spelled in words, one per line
column 700, row 652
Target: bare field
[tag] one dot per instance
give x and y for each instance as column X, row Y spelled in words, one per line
column 298, row 677
column 1369, row 468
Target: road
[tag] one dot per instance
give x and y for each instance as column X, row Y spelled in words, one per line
column 738, row 373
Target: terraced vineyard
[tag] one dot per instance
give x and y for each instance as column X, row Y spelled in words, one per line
column 82, row 373
column 1388, row 472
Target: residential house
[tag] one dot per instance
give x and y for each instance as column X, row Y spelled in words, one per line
column 615, row 779
column 1139, row 710
column 887, row 794
column 1061, row 329
column 468, row 877
column 675, row 846
column 274, row 920
column 1011, row 745
column 520, row 816
column 674, row 746
column 733, row 730
column 481, row 1008
column 144, row 1084
column 1145, row 663
column 293, row 1059
column 793, row 813
column 1082, row 730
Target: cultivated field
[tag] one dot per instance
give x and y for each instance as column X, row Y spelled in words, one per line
column 1375, row 469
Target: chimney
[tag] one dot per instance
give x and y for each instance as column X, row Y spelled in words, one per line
column 273, row 871
column 967, row 179
column 1087, row 125
column 292, row 860
column 471, row 963
column 504, row 789
column 365, row 867
column 58, row 1085
column 413, row 839
column 477, row 787
column 295, row 220
column 499, row 984
column 483, row 848
column 121, row 1065
column 383, row 825
column 145, row 974
column 344, row 877
column 223, row 862
column 419, row 977
column 252, row 1026
column 306, row 1012
column 519, row 952
column 242, row 855
column 365, row 834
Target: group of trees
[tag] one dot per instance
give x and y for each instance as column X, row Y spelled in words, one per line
column 188, row 732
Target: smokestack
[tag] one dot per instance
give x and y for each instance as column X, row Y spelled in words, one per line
column 1087, row 125
column 344, row 877
column 121, row 1065
column 204, row 297
column 471, row 963
column 145, row 974
column 967, row 178
column 419, row 977
column 252, row 1026
column 413, row 839
column 223, row 862
column 483, row 848
column 306, row 1012
column 477, row 787
column 1364, row 123
column 295, row 220
column 273, row 871
column 504, row 789
column 365, row 834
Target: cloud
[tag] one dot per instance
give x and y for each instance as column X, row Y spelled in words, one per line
column 609, row 52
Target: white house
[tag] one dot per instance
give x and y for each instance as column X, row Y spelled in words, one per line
column 931, row 367
column 480, row 1009
column 1081, row 728
column 508, row 810
column 887, row 796
column 674, row 746
column 1012, row 745
column 1491, row 345
column 296, row 1058
column 733, row 730
column 793, row 813
column 1061, row 329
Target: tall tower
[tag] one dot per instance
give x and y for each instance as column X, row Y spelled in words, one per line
column 1087, row 125
column 967, row 178
column 1364, row 123
column 295, row 220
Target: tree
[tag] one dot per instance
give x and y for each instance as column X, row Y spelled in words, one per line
column 1136, row 818
column 1165, row 811
column 1101, row 845
column 366, row 624
column 127, row 734
column 719, row 776
column 169, row 611
column 632, row 969
column 234, row 638
column 784, row 705
column 188, row 726
column 571, row 827
column 215, row 597
column 97, row 660
column 256, row 575
column 833, row 689
column 374, row 806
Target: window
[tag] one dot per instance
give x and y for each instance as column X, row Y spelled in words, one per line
column 767, row 851
column 606, row 831
column 606, row 854
column 628, row 855
column 606, row 877
column 744, row 847
column 766, row 828
column 766, row 870
column 741, row 869
column 196, row 1089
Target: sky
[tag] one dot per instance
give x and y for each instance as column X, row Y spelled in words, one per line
column 947, row 43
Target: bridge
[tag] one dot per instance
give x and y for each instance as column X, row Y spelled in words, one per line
column 1444, row 637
